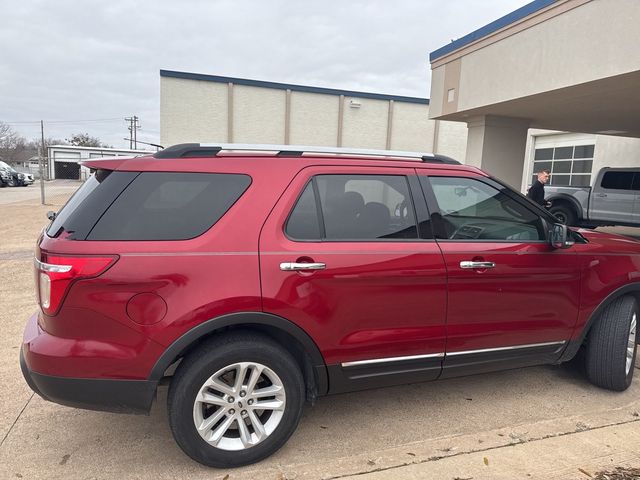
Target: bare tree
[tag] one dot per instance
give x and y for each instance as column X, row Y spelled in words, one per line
column 11, row 143
column 9, row 138
column 85, row 140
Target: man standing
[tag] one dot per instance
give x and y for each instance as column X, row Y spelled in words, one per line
column 536, row 192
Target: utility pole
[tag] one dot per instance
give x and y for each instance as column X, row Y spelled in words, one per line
column 133, row 131
column 41, row 162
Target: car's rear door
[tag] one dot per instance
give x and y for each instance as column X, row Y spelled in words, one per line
column 341, row 256
column 613, row 200
column 513, row 299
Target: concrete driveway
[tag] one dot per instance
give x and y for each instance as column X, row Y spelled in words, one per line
column 543, row 422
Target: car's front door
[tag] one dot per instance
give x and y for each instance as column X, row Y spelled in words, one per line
column 513, row 299
column 348, row 256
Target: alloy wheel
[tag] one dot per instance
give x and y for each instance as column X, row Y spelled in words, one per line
column 239, row 406
column 631, row 344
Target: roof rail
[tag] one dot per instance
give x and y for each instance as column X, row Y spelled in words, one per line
column 185, row 150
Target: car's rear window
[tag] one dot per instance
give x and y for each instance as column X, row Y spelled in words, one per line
column 169, row 206
column 90, row 201
column 113, row 205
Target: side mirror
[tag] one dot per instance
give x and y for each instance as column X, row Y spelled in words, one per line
column 560, row 236
column 51, row 215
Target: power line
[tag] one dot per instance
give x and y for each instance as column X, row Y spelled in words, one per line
column 29, row 122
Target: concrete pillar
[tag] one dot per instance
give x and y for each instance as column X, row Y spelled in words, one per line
column 497, row 145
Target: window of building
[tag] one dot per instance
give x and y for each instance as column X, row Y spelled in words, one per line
column 569, row 166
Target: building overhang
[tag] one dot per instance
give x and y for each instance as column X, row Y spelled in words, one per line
column 550, row 63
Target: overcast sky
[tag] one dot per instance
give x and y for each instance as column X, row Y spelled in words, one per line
column 82, row 66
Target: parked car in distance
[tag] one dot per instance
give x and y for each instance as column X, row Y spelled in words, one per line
column 613, row 200
column 27, row 179
column 254, row 278
column 12, row 178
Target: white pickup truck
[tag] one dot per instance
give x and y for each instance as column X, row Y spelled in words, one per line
column 614, row 199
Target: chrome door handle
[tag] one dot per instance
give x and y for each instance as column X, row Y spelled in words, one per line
column 293, row 266
column 601, row 194
column 473, row 265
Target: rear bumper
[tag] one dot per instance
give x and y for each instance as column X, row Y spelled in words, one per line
column 105, row 394
column 124, row 396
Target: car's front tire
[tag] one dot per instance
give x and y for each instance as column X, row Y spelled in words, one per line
column 612, row 345
column 235, row 400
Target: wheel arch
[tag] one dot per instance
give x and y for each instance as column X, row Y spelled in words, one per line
column 281, row 330
column 563, row 198
column 632, row 289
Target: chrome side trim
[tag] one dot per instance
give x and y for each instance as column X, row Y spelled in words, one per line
column 391, row 359
column 48, row 267
column 500, row 349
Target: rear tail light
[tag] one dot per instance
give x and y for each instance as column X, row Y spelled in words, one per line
column 55, row 274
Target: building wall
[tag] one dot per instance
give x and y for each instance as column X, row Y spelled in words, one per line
column 555, row 53
column 366, row 126
column 411, row 128
column 258, row 115
column 198, row 111
column 452, row 139
column 314, row 119
column 194, row 110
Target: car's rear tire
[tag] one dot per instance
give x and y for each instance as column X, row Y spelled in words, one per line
column 612, row 345
column 564, row 213
column 208, row 390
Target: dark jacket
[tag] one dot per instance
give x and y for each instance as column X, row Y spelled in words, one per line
column 536, row 192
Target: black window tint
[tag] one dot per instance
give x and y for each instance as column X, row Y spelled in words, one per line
column 366, row 207
column 582, row 166
column 563, row 152
column 560, row 179
column 636, row 181
column 561, row 167
column 303, row 222
column 472, row 210
column 617, row 180
column 540, row 166
column 543, row 154
column 584, row 151
column 90, row 201
column 169, row 206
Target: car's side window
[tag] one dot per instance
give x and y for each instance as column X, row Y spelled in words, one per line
column 618, row 181
column 354, row 207
column 303, row 222
column 473, row 210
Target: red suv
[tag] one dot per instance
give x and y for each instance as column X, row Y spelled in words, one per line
column 252, row 281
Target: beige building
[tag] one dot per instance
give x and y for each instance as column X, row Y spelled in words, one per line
column 568, row 65
column 502, row 98
column 210, row 109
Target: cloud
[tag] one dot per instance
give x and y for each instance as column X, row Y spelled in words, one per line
column 69, row 60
